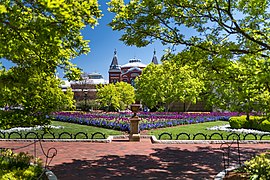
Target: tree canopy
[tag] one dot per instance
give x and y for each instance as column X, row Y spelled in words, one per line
column 38, row 37
column 116, row 96
column 162, row 85
column 238, row 27
column 30, row 96
column 242, row 86
column 227, row 40
column 46, row 34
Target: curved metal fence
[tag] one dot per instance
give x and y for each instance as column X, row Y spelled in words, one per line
column 162, row 136
column 51, row 135
column 213, row 136
column 165, row 134
column 183, row 134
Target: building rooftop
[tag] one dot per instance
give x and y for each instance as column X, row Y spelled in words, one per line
column 134, row 63
column 88, row 78
column 114, row 65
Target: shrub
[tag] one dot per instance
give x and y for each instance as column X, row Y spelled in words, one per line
column 259, row 166
column 241, row 122
column 238, row 122
column 265, row 125
column 255, row 122
column 18, row 118
column 18, row 166
column 10, row 119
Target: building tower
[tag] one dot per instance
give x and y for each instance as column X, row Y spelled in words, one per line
column 115, row 70
column 154, row 59
column 127, row 72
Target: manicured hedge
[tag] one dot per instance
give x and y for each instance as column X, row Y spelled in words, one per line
column 238, row 122
column 254, row 122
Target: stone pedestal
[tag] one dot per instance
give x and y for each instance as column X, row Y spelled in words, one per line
column 134, row 129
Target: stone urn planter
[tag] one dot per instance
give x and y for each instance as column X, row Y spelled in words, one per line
column 134, row 123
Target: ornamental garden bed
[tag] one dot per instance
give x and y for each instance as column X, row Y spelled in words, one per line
column 64, row 130
column 120, row 121
column 164, row 126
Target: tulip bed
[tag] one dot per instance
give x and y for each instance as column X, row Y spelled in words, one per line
column 120, row 121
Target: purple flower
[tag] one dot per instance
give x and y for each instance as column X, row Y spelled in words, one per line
column 149, row 120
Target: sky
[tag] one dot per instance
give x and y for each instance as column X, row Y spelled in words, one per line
column 103, row 42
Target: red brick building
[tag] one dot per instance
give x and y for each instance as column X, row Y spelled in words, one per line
column 127, row 72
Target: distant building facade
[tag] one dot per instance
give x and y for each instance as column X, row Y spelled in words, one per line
column 86, row 88
column 127, row 72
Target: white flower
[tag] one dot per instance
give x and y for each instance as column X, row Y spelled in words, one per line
column 18, row 129
column 229, row 129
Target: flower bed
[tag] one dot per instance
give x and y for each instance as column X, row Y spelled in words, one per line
column 120, row 121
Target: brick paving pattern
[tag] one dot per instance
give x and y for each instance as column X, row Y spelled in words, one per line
column 135, row 160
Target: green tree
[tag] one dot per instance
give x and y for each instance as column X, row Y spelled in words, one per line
column 148, row 85
column 168, row 83
column 127, row 94
column 46, row 34
column 108, row 97
column 35, row 94
column 39, row 37
column 116, row 96
column 237, row 85
column 241, row 87
column 211, row 23
column 228, row 38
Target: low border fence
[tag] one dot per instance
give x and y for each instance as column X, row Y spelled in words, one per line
column 213, row 136
column 51, row 135
column 162, row 136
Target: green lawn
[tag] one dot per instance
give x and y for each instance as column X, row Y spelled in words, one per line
column 197, row 128
column 74, row 128
column 71, row 129
column 90, row 130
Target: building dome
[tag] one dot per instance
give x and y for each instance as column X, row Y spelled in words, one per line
column 134, row 63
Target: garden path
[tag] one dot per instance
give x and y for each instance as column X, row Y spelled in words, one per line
column 136, row 160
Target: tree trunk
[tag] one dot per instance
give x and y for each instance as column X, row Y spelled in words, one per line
column 248, row 116
column 169, row 107
column 188, row 106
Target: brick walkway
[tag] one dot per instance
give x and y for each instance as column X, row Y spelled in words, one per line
column 136, row 160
